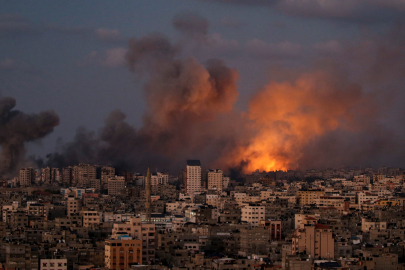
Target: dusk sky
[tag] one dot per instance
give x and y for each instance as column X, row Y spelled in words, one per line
column 315, row 83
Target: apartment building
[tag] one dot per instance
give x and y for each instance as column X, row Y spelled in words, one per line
column 159, row 179
column 316, row 240
column 82, row 173
column 27, row 177
column 214, row 180
column 37, row 209
column 90, row 218
column 274, row 226
column 73, row 205
column 122, row 252
column 253, row 214
column 106, row 173
column 141, row 231
column 307, row 197
column 53, row 264
column 116, row 185
column 193, row 176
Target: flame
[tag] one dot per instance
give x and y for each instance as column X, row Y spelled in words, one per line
column 286, row 116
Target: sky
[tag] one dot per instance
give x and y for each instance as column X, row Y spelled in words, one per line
column 294, row 84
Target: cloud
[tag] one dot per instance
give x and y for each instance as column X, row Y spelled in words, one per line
column 259, row 48
column 8, row 64
column 362, row 11
column 232, row 22
column 114, row 57
column 191, row 25
column 108, row 34
column 14, row 24
column 219, row 44
column 247, row 2
column 329, row 47
column 111, row 58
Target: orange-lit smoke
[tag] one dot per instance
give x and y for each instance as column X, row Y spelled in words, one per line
column 287, row 116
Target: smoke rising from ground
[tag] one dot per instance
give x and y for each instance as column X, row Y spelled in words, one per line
column 17, row 128
column 187, row 102
column 332, row 114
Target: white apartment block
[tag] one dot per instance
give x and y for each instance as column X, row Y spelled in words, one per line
column 158, row 179
column 193, row 176
column 366, row 196
column 253, row 214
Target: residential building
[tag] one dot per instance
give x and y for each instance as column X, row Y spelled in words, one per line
column 27, row 177
column 193, row 176
column 116, row 185
column 215, row 180
column 122, row 252
column 253, row 214
column 316, row 240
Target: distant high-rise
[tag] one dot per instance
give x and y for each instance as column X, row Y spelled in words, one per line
column 159, row 179
column 106, row 173
column 193, row 176
column 67, row 176
column 214, row 180
column 116, row 185
column 84, row 172
column 49, row 175
column 27, row 177
column 148, row 197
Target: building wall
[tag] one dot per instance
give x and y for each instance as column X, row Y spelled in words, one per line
column 90, row 218
column 193, row 179
column 253, row 214
column 214, row 180
column 316, row 240
column 138, row 230
column 307, row 197
column 116, row 185
column 159, row 179
column 53, row 264
column 73, row 205
column 119, row 253
column 27, row 177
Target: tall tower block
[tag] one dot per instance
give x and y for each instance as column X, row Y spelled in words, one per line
column 148, row 198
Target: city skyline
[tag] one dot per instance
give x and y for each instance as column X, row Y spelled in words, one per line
column 268, row 85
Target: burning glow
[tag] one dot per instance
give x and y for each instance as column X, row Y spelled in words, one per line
column 287, row 116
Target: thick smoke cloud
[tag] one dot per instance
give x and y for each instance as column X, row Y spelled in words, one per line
column 288, row 116
column 188, row 104
column 17, row 128
column 347, row 111
column 344, row 110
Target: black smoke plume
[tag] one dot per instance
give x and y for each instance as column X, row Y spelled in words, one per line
column 17, row 128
